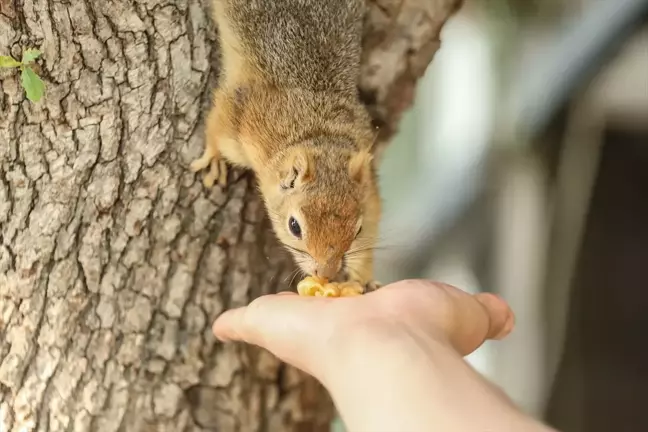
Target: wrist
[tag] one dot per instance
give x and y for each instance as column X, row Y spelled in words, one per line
column 372, row 376
column 353, row 348
column 385, row 377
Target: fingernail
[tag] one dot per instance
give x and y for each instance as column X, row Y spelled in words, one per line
column 508, row 326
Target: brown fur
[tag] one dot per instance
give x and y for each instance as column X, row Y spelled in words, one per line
column 287, row 108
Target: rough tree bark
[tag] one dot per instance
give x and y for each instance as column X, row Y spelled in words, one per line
column 114, row 260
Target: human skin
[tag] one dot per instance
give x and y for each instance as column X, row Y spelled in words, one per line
column 392, row 359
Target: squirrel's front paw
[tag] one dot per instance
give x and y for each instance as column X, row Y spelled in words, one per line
column 198, row 165
column 202, row 162
column 372, row 286
column 217, row 172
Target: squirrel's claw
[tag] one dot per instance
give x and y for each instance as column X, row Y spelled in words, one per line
column 202, row 162
column 217, row 171
column 222, row 172
column 372, row 286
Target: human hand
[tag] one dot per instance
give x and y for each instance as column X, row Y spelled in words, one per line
column 391, row 359
column 313, row 333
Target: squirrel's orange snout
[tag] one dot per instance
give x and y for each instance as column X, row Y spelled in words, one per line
column 328, row 270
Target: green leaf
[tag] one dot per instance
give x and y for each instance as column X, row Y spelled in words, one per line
column 33, row 85
column 8, row 62
column 29, row 55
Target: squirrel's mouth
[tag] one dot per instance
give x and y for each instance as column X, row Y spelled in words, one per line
column 307, row 265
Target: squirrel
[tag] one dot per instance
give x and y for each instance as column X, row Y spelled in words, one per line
column 287, row 107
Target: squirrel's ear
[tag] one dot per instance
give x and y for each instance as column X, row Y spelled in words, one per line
column 360, row 166
column 298, row 169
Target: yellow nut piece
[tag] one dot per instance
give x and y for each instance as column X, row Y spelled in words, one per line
column 313, row 286
column 310, row 286
column 330, row 290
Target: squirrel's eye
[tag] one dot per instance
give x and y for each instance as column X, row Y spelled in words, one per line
column 294, row 227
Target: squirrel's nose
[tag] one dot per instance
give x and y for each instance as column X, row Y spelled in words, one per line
column 328, row 271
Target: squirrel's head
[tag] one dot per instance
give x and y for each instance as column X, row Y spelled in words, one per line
column 324, row 208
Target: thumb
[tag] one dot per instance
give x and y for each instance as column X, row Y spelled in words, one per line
column 501, row 317
column 256, row 322
column 284, row 324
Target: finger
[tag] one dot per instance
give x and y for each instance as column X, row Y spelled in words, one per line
column 289, row 326
column 228, row 324
column 501, row 317
column 267, row 320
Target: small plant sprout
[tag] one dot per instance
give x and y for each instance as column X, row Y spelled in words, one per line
column 31, row 82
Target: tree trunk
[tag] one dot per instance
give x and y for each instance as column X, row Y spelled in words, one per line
column 114, row 260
